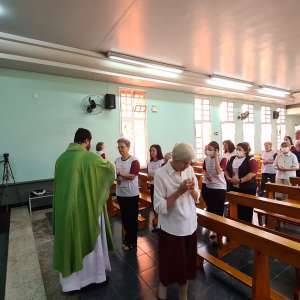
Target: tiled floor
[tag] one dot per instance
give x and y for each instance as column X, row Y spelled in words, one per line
column 134, row 275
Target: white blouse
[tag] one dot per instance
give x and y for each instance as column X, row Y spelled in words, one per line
column 181, row 218
column 126, row 188
column 217, row 180
column 237, row 162
column 153, row 166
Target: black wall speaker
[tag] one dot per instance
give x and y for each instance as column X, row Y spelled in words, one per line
column 275, row 115
column 110, row 101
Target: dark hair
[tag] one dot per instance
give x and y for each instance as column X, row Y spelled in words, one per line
column 158, row 150
column 290, row 139
column 215, row 145
column 81, row 135
column 99, row 146
column 230, row 144
column 245, row 146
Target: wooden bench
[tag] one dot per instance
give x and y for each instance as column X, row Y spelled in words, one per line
column 293, row 192
column 199, row 179
column 198, row 168
column 295, row 181
column 273, row 219
column 264, row 244
column 286, row 209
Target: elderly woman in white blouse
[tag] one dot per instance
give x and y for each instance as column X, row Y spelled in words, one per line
column 175, row 194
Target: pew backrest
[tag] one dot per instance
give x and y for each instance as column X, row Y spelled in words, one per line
column 293, row 192
column 270, row 205
column 269, row 244
column 295, row 181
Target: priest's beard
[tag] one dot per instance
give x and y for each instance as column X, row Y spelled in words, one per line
column 88, row 146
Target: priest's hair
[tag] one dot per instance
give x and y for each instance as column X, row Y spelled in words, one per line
column 82, row 135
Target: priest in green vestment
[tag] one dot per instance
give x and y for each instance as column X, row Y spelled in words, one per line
column 82, row 233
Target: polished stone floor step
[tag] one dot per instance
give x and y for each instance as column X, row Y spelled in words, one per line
column 23, row 278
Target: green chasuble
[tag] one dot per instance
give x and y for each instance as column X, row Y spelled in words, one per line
column 81, row 189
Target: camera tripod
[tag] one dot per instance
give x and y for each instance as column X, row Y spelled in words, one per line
column 7, row 173
column 6, row 176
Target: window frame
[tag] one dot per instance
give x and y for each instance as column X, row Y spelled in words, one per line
column 203, row 119
column 266, row 120
column 249, row 120
column 227, row 118
column 132, row 119
column 280, row 124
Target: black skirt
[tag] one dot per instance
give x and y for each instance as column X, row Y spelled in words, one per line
column 177, row 258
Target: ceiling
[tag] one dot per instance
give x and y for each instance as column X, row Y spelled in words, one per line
column 253, row 40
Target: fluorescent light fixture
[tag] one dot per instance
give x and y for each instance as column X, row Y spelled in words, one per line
column 144, row 63
column 228, row 83
column 273, row 92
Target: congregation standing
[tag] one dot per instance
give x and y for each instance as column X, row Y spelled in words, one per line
column 174, row 191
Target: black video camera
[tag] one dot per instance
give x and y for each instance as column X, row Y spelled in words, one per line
column 6, row 156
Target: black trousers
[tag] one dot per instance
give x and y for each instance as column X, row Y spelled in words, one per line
column 214, row 200
column 245, row 213
column 265, row 178
column 152, row 194
column 129, row 214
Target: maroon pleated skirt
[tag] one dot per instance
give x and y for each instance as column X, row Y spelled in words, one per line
column 177, row 258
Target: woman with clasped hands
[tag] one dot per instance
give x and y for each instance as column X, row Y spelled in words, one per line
column 175, row 194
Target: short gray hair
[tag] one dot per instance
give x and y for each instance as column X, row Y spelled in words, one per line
column 183, row 152
column 125, row 141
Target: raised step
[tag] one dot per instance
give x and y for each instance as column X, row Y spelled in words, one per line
column 23, row 277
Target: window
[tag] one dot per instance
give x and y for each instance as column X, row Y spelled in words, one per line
column 227, row 119
column 248, row 126
column 202, row 125
column 133, row 122
column 280, row 128
column 266, row 126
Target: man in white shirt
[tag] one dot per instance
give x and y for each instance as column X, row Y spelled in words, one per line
column 286, row 165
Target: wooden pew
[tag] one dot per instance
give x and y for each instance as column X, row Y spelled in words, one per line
column 293, row 192
column 275, row 207
column 273, row 219
column 200, row 179
column 145, row 198
column 295, row 181
column 198, row 167
column 263, row 243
